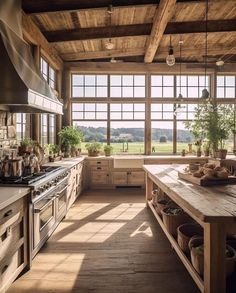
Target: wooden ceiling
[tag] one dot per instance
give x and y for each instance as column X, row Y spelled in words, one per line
column 79, row 30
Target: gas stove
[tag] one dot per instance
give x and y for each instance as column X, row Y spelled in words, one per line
column 39, row 183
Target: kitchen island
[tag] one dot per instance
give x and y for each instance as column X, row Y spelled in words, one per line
column 214, row 208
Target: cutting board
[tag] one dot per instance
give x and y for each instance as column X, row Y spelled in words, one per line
column 202, row 182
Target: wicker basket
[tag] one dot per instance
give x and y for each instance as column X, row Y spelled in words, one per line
column 197, row 258
column 186, row 232
column 172, row 222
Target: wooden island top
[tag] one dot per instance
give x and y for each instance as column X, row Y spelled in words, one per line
column 214, row 208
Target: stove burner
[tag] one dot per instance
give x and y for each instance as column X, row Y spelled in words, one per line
column 30, row 179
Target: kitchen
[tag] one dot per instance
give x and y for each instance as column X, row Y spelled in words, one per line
column 74, row 221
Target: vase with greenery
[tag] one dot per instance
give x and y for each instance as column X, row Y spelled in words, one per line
column 26, row 146
column 71, row 139
column 107, row 150
column 93, row 148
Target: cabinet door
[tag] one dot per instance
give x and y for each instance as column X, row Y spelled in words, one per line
column 136, row 178
column 99, row 178
column 120, row 178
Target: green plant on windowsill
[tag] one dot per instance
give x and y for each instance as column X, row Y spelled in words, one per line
column 26, row 146
column 93, row 148
column 71, row 139
column 107, row 150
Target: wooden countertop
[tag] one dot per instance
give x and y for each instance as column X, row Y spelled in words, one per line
column 207, row 204
column 8, row 195
column 67, row 162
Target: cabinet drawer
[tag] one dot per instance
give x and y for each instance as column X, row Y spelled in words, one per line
column 99, row 177
column 9, row 267
column 136, row 178
column 10, row 235
column 11, row 214
column 99, row 168
column 97, row 163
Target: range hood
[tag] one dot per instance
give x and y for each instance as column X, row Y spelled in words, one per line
column 22, row 87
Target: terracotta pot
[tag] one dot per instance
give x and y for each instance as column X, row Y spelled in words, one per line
column 93, row 153
column 221, row 154
column 172, row 222
column 186, row 232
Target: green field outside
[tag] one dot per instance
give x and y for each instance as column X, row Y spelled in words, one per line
column 138, row 148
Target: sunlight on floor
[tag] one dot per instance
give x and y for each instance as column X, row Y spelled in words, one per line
column 124, row 211
column 144, row 228
column 96, row 232
column 85, row 210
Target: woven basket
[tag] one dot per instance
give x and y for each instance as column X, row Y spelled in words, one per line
column 198, row 258
column 185, row 233
column 172, row 222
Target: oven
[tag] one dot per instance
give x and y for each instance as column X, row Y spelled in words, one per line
column 48, row 211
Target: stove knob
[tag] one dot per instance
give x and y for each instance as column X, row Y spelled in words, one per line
column 37, row 192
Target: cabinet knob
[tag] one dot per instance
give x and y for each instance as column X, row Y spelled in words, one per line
column 8, row 213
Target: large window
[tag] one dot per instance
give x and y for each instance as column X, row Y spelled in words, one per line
column 89, row 86
column 48, row 126
column 226, row 86
column 132, row 101
column 20, row 125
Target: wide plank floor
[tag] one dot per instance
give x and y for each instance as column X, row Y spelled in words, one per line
column 109, row 242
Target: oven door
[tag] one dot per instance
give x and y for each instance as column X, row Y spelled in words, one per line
column 44, row 219
column 61, row 202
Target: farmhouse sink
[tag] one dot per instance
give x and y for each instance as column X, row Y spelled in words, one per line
column 128, row 162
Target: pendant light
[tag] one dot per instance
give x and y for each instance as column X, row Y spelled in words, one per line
column 178, row 108
column 170, row 59
column 109, row 45
column 205, row 92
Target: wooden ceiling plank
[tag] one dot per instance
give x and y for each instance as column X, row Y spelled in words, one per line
column 172, row 28
column 102, row 54
column 163, row 14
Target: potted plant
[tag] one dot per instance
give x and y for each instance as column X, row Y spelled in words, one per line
column 93, row 148
column 70, row 139
column 26, row 146
column 198, row 143
column 107, row 150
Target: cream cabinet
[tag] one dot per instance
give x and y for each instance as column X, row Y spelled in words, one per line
column 13, row 242
column 99, row 172
column 75, row 183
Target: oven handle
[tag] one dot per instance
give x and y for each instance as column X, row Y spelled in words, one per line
column 60, row 192
column 44, row 206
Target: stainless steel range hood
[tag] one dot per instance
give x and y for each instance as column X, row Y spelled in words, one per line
column 22, row 87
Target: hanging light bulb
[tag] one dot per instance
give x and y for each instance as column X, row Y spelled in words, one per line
column 110, row 45
column 170, row 59
column 205, row 92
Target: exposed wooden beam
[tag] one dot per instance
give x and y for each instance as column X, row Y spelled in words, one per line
column 32, row 34
column 189, row 27
column 54, row 6
column 133, row 67
column 102, row 54
column 161, row 54
column 162, row 16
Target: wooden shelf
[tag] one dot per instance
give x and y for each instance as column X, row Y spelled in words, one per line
column 182, row 256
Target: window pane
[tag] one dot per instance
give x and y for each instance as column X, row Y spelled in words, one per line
column 139, row 115
column 128, row 116
column 168, row 80
column 102, row 80
column 128, row 80
column 101, row 115
column 90, row 92
column 77, row 79
column 230, row 92
column 220, row 81
column 115, row 107
column 139, row 80
column 77, row 107
column 77, row 92
column 127, row 92
column 77, row 115
column 230, row 81
column 184, row 137
column 101, row 92
column 168, row 92
column 89, row 107
column 183, row 80
column 192, row 80
column 139, row 92
column 102, row 107
column 116, row 92
column 128, row 107
column 139, row 107
column 115, row 115
column 162, row 137
column 193, row 92
column 204, row 82
column 90, row 80
column 156, row 107
column 89, row 115
column 156, row 92
column 115, row 80
column 156, row 80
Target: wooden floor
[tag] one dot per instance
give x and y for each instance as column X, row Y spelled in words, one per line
column 109, row 242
